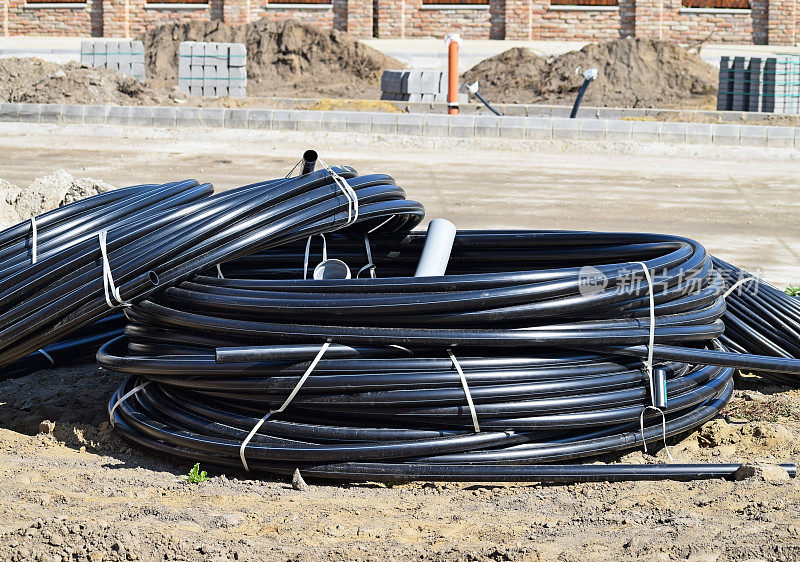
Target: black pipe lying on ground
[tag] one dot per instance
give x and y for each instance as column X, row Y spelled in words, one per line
column 548, row 328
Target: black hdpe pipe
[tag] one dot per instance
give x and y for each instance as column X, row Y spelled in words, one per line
column 549, row 355
column 165, row 234
column 589, row 75
column 309, row 161
column 73, row 350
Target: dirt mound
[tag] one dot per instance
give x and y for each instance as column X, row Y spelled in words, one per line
column 631, row 73
column 283, row 58
column 31, row 80
column 43, row 194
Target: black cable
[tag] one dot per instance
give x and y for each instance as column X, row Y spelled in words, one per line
column 548, row 327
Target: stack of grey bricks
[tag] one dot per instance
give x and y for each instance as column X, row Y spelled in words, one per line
column 212, row 69
column 416, row 86
column 767, row 85
column 123, row 56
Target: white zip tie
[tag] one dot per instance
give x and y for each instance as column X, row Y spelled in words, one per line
column 108, row 280
column 663, row 429
column 219, row 272
column 43, row 352
column 33, row 240
column 348, row 191
column 652, row 337
column 122, row 399
column 370, row 266
column 736, row 285
column 466, row 391
column 308, row 251
column 649, row 365
column 285, row 404
column 294, row 167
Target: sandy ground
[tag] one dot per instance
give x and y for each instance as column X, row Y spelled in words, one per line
column 82, row 493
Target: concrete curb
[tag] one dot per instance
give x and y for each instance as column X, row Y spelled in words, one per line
column 416, row 124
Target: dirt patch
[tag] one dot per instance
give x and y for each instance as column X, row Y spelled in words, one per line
column 80, row 492
column 43, row 194
column 283, row 57
column 631, row 73
column 30, row 80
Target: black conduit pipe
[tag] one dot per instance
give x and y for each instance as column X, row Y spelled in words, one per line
column 548, row 328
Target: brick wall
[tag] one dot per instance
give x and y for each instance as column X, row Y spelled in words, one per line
column 769, row 21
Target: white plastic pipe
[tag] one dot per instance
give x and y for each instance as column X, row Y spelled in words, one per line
column 436, row 252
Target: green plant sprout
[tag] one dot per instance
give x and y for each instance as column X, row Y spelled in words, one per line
column 195, row 475
column 793, row 291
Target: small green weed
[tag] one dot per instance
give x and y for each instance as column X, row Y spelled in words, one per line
column 195, row 475
column 793, row 291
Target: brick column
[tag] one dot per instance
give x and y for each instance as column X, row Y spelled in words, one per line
column 782, row 22
column 525, row 18
column 116, row 18
column 359, row 18
column 390, row 16
column 236, row 12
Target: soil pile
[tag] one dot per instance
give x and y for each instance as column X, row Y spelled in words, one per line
column 31, row 80
column 631, row 73
column 43, row 194
column 283, row 58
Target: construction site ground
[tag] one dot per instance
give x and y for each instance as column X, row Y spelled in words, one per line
column 80, row 492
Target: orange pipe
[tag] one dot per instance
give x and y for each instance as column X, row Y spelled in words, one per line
column 452, row 78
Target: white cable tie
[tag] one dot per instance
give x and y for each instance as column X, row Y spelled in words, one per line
column 108, row 280
column 33, row 240
column 308, row 251
column 652, row 335
column 370, row 265
column 736, row 285
column 219, row 272
column 294, row 167
column 472, row 411
column 122, row 399
column 49, row 358
column 285, row 404
column 349, row 193
column 663, row 429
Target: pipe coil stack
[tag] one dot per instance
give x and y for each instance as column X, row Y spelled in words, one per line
column 549, row 328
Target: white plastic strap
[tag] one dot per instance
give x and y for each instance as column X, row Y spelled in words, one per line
column 285, row 404
column 736, row 285
column 294, row 167
column 349, row 193
column 649, row 366
column 663, row 429
column 108, row 280
column 33, row 240
column 370, row 266
column 652, row 336
column 219, row 272
column 43, row 352
column 472, row 411
column 308, row 251
column 122, row 399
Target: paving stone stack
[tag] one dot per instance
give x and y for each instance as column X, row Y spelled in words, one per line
column 212, row 69
column 416, row 86
column 768, row 85
column 123, row 56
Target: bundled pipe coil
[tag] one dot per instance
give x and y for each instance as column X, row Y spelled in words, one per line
column 760, row 319
column 550, row 331
column 118, row 247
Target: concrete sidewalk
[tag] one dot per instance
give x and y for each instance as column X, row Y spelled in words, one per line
column 415, row 53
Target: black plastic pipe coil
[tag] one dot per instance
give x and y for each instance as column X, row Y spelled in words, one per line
column 550, row 329
column 162, row 234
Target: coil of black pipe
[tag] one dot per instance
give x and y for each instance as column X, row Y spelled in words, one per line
column 550, row 329
column 161, row 234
